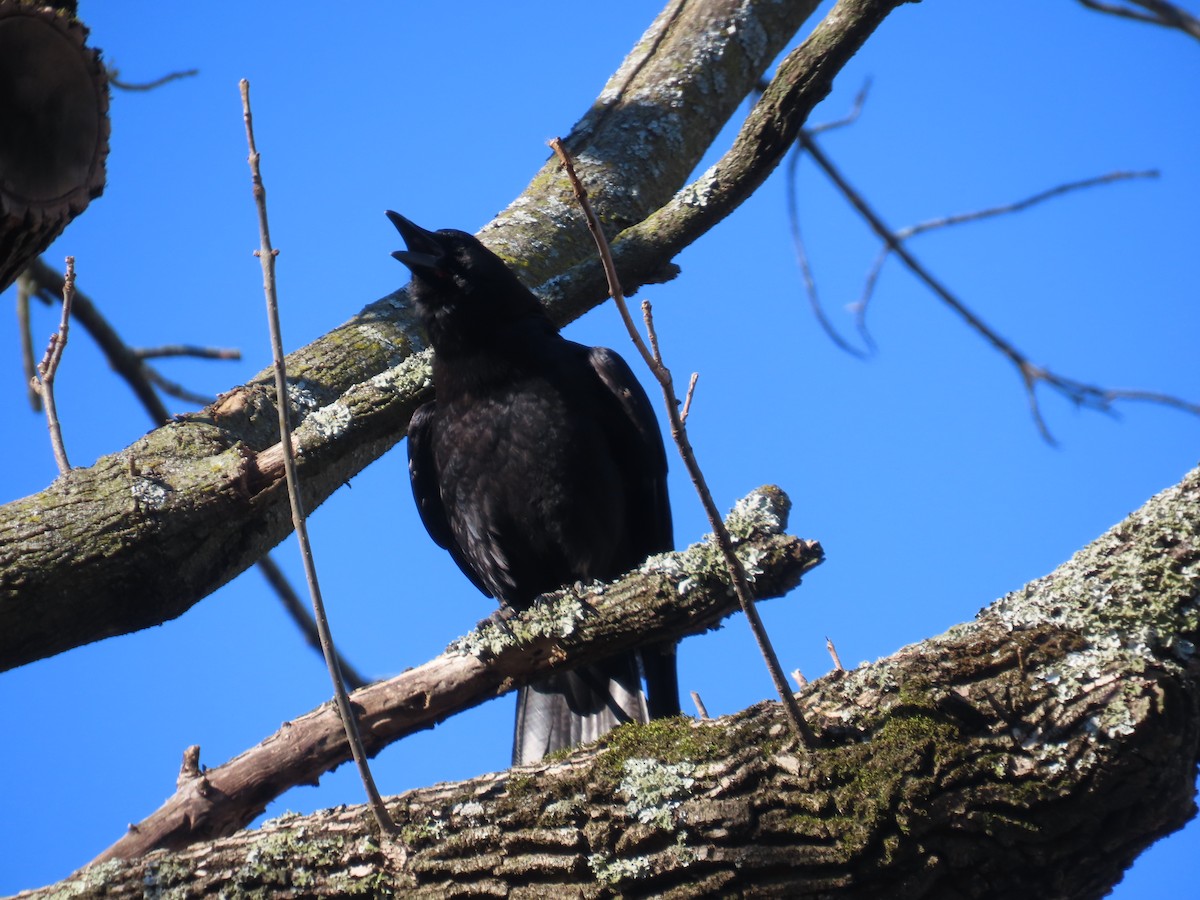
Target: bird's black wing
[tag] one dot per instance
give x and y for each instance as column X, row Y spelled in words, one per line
column 426, row 488
column 639, row 450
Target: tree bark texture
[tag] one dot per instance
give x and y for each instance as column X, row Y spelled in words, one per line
column 53, row 129
column 669, row 596
column 143, row 534
column 1032, row 752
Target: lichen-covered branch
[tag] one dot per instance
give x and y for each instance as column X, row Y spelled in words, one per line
column 669, row 596
column 155, row 527
column 1032, row 752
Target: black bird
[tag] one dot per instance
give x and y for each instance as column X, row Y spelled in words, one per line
column 539, row 464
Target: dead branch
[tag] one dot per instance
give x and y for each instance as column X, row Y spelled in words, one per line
column 925, row 784
column 670, row 595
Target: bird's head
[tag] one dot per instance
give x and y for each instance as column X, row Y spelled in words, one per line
column 459, row 285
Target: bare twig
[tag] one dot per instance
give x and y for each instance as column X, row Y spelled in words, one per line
column 903, row 234
column 837, row 662
column 115, row 80
column 1078, row 392
column 142, row 380
column 116, row 351
column 187, row 350
column 662, row 374
column 25, row 288
column 801, row 681
column 303, row 618
column 687, row 400
column 1020, row 205
column 860, row 100
column 701, row 710
column 174, row 389
column 266, row 256
column 1168, row 15
column 43, row 383
column 810, row 284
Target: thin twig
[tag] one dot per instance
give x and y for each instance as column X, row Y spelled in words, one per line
column 1080, row 393
column 860, row 100
column 909, row 231
column 266, row 256
column 187, row 350
column 701, row 709
column 115, row 80
column 174, row 389
column 1168, row 15
column 43, row 383
column 116, row 351
column 141, row 378
column 679, row 432
column 25, row 288
column 1021, row 205
column 687, row 400
column 806, row 273
column 303, row 618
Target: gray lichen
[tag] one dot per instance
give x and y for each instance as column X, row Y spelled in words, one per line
column 613, row 871
column 656, row 789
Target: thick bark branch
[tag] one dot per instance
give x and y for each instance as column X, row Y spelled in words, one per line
column 143, row 534
column 53, row 128
column 670, row 596
column 1032, row 752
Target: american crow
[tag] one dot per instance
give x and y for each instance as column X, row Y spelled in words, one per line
column 539, row 464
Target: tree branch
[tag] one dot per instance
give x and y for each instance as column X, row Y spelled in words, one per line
column 670, row 595
column 1080, row 393
column 652, row 357
column 992, row 761
column 206, row 492
column 1168, row 15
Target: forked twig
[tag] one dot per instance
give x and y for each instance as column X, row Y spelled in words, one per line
column 909, row 231
column 653, row 359
column 266, row 256
column 1080, row 393
column 43, row 382
column 45, row 284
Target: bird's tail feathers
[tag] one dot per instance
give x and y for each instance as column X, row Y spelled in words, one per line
column 571, row 708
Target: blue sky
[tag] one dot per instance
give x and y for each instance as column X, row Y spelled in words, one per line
column 919, row 469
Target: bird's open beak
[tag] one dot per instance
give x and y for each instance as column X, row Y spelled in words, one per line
column 424, row 254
